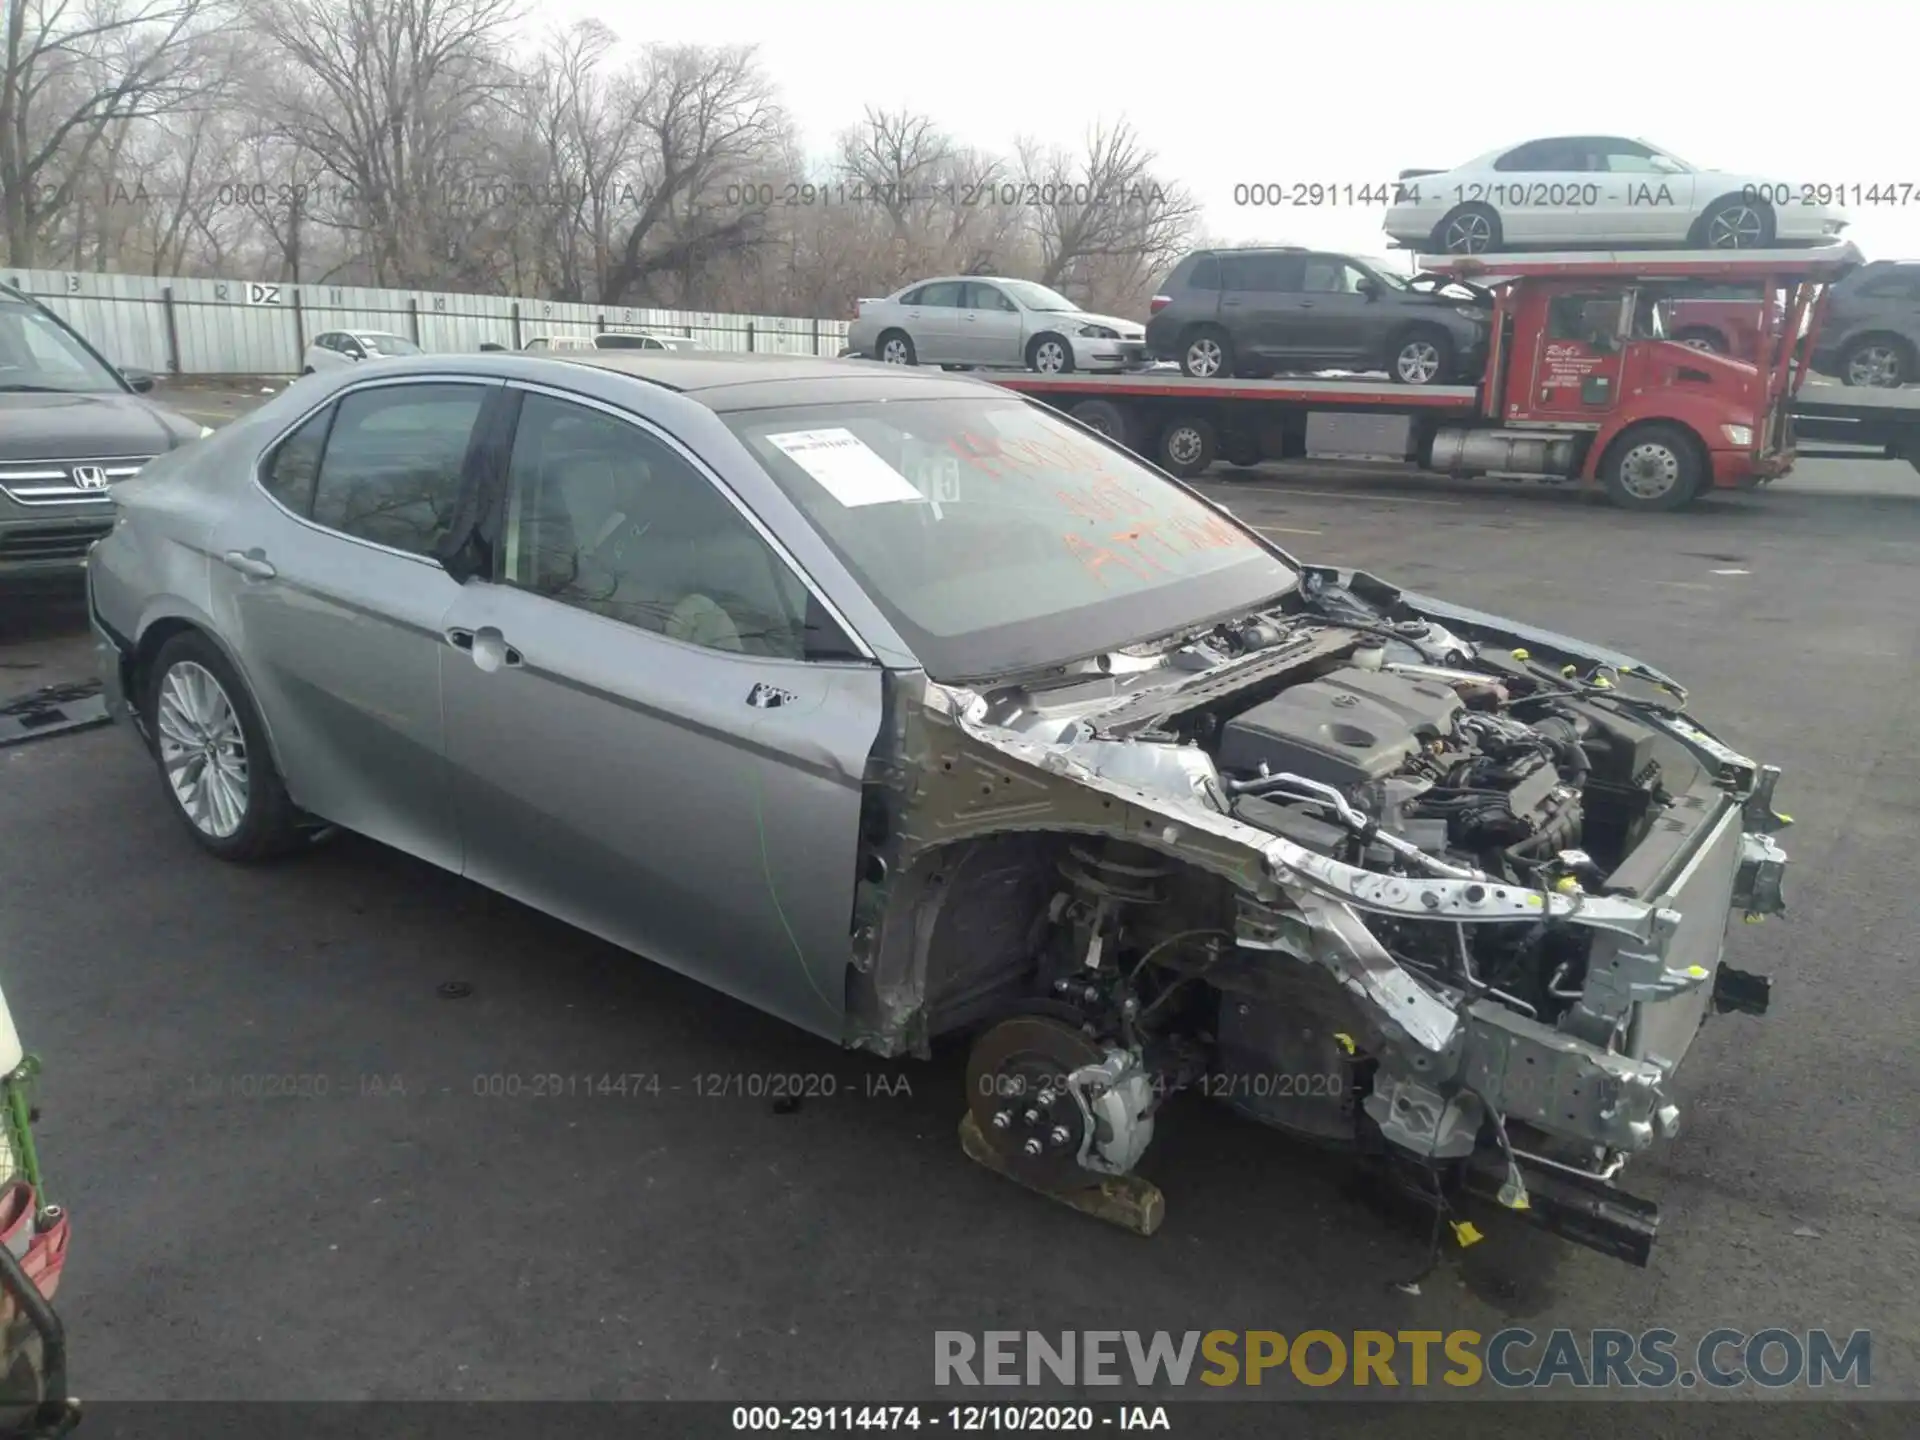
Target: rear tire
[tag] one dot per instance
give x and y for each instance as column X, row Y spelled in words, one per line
column 211, row 747
column 1207, row 354
column 1468, row 230
column 1654, row 468
column 1187, row 446
column 1050, row 355
column 895, row 347
column 1422, row 356
column 1111, row 420
column 307, row 371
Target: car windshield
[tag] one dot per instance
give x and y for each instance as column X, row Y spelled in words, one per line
column 36, row 353
column 1036, row 297
column 997, row 538
column 391, row 345
column 627, row 342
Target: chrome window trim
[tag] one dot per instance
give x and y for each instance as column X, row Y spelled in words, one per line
column 713, row 478
column 482, row 383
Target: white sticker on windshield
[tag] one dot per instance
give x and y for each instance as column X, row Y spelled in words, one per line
column 850, row 470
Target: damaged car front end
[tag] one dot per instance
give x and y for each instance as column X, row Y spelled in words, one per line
column 1444, row 891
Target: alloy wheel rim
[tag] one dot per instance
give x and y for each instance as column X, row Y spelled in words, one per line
column 203, row 750
column 1877, row 366
column 1419, row 362
column 1734, row 228
column 1650, row 471
column 894, row 352
column 1469, row 235
column 1049, row 359
column 1203, row 357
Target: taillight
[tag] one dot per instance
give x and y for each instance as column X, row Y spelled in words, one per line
column 1159, row 303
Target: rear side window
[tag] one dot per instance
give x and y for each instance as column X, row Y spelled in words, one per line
column 1205, row 274
column 1543, row 155
column 391, row 468
column 295, row 464
column 1899, row 285
column 1267, row 273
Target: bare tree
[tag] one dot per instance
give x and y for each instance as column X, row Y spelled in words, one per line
column 383, row 92
column 705, row 117
column 70, row 77
column 1105, row 205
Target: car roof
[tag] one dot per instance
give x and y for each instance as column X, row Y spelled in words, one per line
column 730, row 380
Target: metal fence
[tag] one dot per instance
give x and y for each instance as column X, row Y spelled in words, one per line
column 241, row 327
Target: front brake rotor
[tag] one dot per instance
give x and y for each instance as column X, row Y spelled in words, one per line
column 1018, row 1096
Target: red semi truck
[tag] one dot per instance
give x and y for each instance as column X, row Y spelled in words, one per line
column 1583, row 383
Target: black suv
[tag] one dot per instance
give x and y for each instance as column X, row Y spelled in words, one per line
column 1257, row 312
column 1871, row 333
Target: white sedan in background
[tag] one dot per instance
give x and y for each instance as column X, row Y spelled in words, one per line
column 993, row 322
column 1601, row 190
column 333, row 348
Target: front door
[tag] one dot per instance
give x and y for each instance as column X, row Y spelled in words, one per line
column 1337, row 324
column 990, row 331
column 642, row 746
column 334, row 605
column 1578, row 357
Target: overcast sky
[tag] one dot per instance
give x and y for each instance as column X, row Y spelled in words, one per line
column 1231, row 92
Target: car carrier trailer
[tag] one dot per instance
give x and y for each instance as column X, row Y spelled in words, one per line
column 1581, row 385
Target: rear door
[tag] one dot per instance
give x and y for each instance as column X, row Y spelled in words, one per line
column 1260, row 303
column 642, row 743
column 325, row 583
column 989, row 331
column 932, row 315
column 1546, row 195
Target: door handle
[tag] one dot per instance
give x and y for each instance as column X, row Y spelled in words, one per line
column 1229, row 304
column 487, row 646
column 970, row 318
column 1307, row 304
column 254, row 567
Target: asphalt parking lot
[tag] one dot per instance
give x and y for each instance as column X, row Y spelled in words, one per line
column 392, row 1230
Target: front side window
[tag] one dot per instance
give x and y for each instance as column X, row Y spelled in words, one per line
column 995, row 537
column 391, row 469
column 1326, row 275
column 607, row 517
column 37, row 353
column 1588, row 318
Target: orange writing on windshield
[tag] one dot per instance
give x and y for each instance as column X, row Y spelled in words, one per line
column 1096, row 557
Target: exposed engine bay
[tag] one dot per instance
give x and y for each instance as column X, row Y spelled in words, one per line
column 1369, row 875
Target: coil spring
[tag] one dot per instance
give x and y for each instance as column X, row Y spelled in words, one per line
column 1125, row 882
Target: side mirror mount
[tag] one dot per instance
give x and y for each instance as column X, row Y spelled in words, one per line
column 142, row 381
column 1367, row 288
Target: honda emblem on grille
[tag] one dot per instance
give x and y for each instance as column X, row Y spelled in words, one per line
column 89, row 477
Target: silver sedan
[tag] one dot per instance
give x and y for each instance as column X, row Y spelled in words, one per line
column 993, row 322
column 897, row 705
